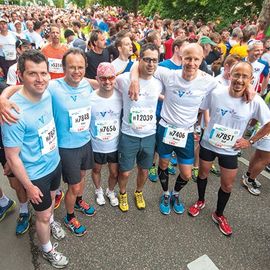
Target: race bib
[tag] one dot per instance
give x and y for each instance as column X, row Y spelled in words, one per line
column 223, row 137
column 107, row 130
column 80, row 119
column 141, row 118
column 175, row 136
column 9, row 52
column 47, row 135
column 55, row 65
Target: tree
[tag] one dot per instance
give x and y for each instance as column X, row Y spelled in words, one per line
column 265, row 14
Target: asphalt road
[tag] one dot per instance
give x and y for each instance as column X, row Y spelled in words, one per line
column 148, row 240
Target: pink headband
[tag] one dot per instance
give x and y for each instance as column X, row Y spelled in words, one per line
column 105, row 69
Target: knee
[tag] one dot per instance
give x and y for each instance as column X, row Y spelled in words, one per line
column 163, row 164
column 16, row 185
column 75, row 189
column 45, row 217
column 96, row 170
column 114, row 175
column 227, row 187
column 186, row 175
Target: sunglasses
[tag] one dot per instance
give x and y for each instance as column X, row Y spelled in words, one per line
column 104, row 78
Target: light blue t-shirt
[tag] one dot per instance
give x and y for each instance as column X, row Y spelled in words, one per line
column 72, row 112
column 35, row 135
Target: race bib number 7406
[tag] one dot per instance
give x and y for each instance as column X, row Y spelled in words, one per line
column 175, row 136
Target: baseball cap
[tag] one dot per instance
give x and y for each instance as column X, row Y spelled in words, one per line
column 105, row 69
column 3, row 20
column 17, row 21
column 206, row 40
column 22, row 42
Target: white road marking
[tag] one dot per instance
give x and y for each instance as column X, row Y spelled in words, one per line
column 202, row 263
column 246, row 162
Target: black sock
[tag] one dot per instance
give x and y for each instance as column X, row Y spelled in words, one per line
column 250, row 180
column 179, row 183
column 201, row 184
column 248, row 174
column 70, row 216
column 164, row 178
column 78, row 199
column 223, row 198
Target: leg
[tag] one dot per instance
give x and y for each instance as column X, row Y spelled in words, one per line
column 112, row 181
column 122, row 181
column 96, row 176
column 141, row 178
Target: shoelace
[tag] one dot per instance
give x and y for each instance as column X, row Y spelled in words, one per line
column 177, row 199
column 83, row 204
column 56, row 226
column 75, row 222
column 166, row 200
column 124, row 200
column 55, row 254
column 140, row 197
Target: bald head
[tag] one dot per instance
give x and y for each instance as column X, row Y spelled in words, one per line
column 241, row 65
column 193, row 48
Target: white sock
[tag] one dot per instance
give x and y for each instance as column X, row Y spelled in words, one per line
column 175, row 192
column 47, row 247
column 52, row 219
column 24, row 208
column 4, row 201
column 167, row 193
column 58, row 191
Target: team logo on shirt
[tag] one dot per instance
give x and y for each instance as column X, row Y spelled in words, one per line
column 110, row 112
column 181, row 93
column 223, row 112
column 74, row 98
column 41, row 119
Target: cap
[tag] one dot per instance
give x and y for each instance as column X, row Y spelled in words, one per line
column 17, row 21
column 22, row 42
column 105, row 69
column 68, row 33
column 79, row 43
column 3, row 20
column 206, row 40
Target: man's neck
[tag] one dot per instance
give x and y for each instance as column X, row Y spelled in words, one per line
column 175, row 59
column 98, row 50
column 123, row 57
column 33, row 98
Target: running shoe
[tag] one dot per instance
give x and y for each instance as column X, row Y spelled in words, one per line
column 165, row 204
column 57, row 231
column 195, row 173
column 223, row 224
column 257, row 182
column 85, row 208
column 195, row 209
column 178, row 206
column 251, row 187
column 6, row 209
column 58, row 199
column 100, row 196
column 112, row 198
column 140, row 203
column 23, row 223
column 153, row 174
column 215, row 171
column 75, row 226
column 123, row 202
column 57, row 259
column 173, row 159
column 171, row 169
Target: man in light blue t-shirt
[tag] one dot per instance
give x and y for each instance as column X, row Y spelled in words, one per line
column 31, row 148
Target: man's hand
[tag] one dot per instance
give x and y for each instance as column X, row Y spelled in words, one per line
column 5, row 111
column 242, row 144
column 134, row 89
column 34, row 194
column 249, row 94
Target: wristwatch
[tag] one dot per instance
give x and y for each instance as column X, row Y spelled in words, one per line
column 251, row 142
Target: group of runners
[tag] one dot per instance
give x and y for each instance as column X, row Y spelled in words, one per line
column 78, row 105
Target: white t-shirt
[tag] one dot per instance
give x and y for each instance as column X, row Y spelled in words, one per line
column 220, row 79
column 182, row 99
column 119, row 65
column 7, row 46
column 105, row 122
column 139, row 117
column 229, row 118
column 12, row 75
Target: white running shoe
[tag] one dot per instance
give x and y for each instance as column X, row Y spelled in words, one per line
column 57, row 231
column 111, row 196
column 100, row 196
column 57, row 259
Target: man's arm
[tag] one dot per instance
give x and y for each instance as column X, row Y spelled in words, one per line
column 12, row 155
column 94, row 83
column 6, row 105
column 243, row 143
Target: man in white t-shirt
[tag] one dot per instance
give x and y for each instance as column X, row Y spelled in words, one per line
column 122, row 63
column 229, row 116
column 138, row 131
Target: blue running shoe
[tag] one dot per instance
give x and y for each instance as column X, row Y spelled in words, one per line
column 152, row 174
column 9, row 207
column 165, row 206
column 23, row 223
column 178, row 206
column 85, row 208
column 171, row 169
column 75, row 226
column 173, row 160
